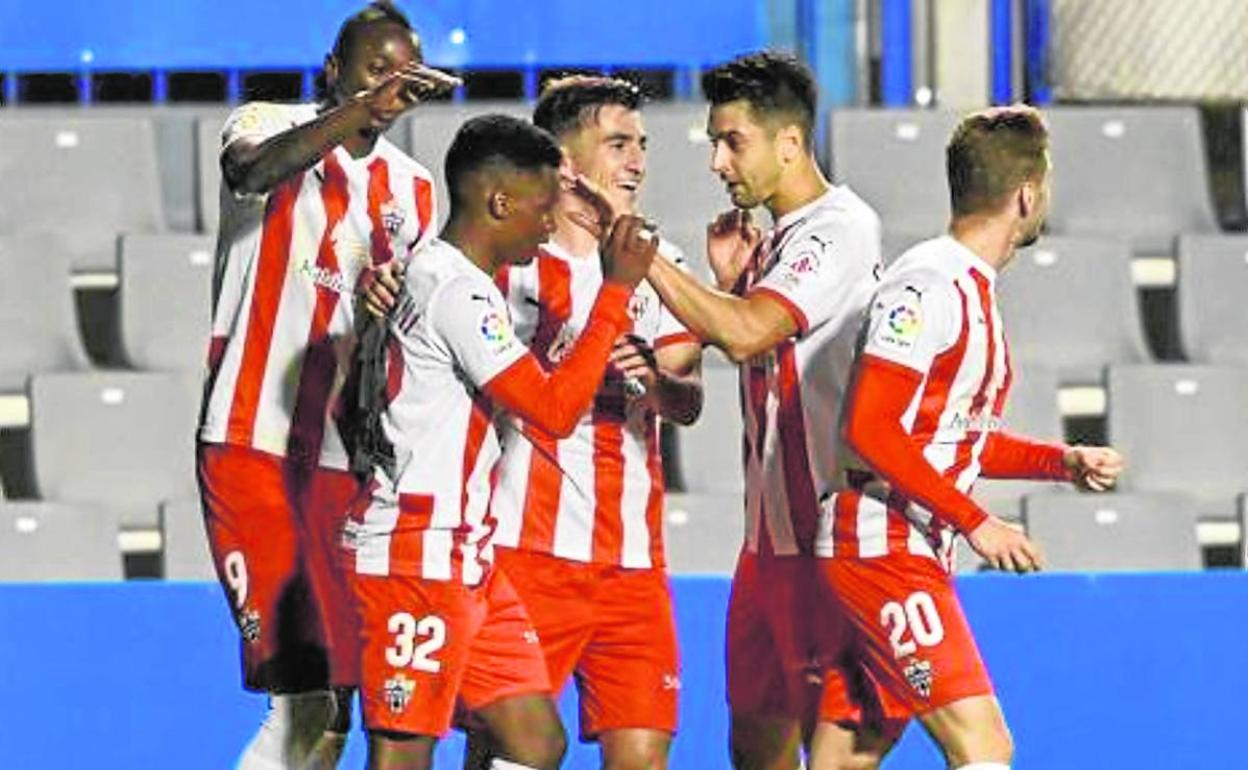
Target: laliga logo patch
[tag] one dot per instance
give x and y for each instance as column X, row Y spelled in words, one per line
column 904, row 321
column 495, row 329
column 919, row 674
column 901, row 326
column 398, row 693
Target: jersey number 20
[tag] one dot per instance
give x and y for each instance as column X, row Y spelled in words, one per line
column 917, row 615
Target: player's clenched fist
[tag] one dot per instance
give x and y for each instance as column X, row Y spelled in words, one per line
column 1004, row 547
column 628, row 250
column 1093, row 468
column 730, row 241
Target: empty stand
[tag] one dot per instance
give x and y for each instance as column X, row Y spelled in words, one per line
column 1213, row 283
column 1069, row 304
column 165, row 300
column 1031, row 410
column 55, row 541
column 703, row 532
column 1132, row 172
column 709, row 451
column 1182, row 429
column 895, row 160
column 1114, row 531
column 124, row 441
column 185, row 542
column 84, row 179
column 38, row 326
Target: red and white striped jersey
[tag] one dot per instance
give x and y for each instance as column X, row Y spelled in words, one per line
column 450, row 337
column 821, row 263
column 287, row 266
column 936, row 314
column 596, row 496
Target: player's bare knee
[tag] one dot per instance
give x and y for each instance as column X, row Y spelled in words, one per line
column 634, row 749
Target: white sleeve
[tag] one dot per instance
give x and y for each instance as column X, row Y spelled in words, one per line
column 820, row 277
column 915, row 316
column 254, row 120
column 474, row 322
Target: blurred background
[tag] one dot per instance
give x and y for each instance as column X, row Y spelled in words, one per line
column 1128, row 324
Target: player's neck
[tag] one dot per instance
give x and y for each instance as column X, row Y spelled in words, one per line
column 805, row 185
column 991, row 238
column 572, row 238
column 473, row 243
column 361, row 144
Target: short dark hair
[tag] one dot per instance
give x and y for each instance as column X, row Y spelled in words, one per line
column 571, row 102
column 993, row 152
column 377, row 12
column 777, row 86
column 496, row 139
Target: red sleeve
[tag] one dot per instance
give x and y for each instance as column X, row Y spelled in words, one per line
column 555, row 402
column 881, row 392
column 1009, row 456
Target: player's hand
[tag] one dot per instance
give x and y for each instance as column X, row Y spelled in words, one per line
column 1004, row 547
column 1093, row 468
column 628, row 250
column 400, row 91
column 380, row 286
column 634, row 360
column 596, row 213
column 730, row 242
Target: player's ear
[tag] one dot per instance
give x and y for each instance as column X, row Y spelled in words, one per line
column 790, row 143
column 1026, row 199
column 499, row 204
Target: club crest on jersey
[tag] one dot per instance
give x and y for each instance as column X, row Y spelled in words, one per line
column 392, row 218
column 397, row 691
column 919, row 674
column 496, row 331
column 638, row 305
column 249, row 624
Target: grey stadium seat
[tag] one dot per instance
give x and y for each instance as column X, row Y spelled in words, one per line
column 431, row 127
column 703, row 532
column 1182, row 429
column 166, row 297
column 84, row 179
column 680, row 192
column 1213, row 281
column 895, row 160
column 709, row 451
column 1069, row 304
column 185, row 542
column 1133, row 172
column 1114, row 531
column 125, row 441
column 1032, row 411
column 38, row 325
column 54, row 541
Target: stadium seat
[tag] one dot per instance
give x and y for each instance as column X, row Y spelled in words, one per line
column 38, row 325
column 681, row 193
column 895, row 160
column 1069, row 304
column 165, row 298
column 1031, row 410
column 431, row 128
column 1112, row 176
column 1213, row 280
column 1182, row 429
column 709, row 451
column 84, row 179
column 1114, row 531
column 185, row 542
column 125, row 441
column 54, row 541
column 703, row 532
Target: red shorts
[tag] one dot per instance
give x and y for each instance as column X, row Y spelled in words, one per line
column 774, row 628
column 274, row 532
column 428, row 644
column 906, row 647
column 615, row 628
